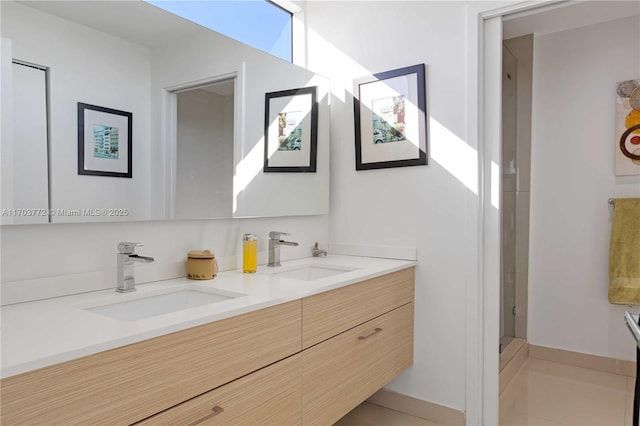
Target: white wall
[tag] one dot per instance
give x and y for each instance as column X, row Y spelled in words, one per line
column 432, row 208
column 572, row 176
column 6, row 129
column 204, row 155
column 95, row 68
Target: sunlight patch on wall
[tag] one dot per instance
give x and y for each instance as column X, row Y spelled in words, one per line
column 450, row 151
column 342, row 85
column 247, row 170
column 454, row 155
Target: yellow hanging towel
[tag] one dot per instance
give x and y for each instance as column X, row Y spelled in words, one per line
column 624, row 253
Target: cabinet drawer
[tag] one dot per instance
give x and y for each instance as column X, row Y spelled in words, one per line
column 270, row 396
column 327, row 314
column 128, row 384
column 340, row 373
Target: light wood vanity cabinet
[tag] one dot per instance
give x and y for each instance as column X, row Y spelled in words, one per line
column 131, row 383
column 309, row 361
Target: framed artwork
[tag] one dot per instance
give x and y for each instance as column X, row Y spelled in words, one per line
column 290, row 131
column 104, row 141
column 628, row 128
column 390, row 119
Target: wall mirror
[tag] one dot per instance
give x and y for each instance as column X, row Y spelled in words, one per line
column 196, row 101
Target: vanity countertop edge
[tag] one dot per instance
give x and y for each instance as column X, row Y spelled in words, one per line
column 46, row 332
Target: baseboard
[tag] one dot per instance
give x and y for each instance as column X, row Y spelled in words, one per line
column 416, row 407
column 594, row 362
column 510, row 351
column 513, row 364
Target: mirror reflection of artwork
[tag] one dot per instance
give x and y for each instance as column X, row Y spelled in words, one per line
column 105, row 139
column 290, row 130
column 628, row 128
column 388, row 119
column 105, row 143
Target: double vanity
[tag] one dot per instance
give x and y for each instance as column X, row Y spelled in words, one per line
column 301, row 344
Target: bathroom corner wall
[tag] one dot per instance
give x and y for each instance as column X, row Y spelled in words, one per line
column 572, row 176
column 430, row 207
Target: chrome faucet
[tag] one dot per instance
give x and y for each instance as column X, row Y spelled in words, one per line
column 274, row 247
column 316, row 252
column 126, row 259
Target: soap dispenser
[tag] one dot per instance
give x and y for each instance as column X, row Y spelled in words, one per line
column 249, row 253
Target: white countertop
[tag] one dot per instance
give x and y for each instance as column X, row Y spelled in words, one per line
column 46, row 332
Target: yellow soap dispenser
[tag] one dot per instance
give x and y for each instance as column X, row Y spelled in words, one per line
column 249, row 253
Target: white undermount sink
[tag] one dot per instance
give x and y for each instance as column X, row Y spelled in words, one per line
column 159, row 304
column 312, row 272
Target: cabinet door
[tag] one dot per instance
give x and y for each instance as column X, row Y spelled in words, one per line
column 340, row 373
column 326, row 314
column 270, row 396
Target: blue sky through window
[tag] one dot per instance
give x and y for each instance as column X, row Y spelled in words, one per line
column 257, row 23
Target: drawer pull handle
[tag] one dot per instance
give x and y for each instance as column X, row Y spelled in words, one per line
column 216, row 410
column 376, row 331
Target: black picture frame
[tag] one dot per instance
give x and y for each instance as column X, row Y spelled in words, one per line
column 293, row 159
column 369, row 147
column 118, row 163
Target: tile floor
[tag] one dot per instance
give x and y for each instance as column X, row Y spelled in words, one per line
column 547, row 393
column 367, row 414
column 542, row 393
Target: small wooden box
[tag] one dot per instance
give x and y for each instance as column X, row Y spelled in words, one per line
column 201, row 265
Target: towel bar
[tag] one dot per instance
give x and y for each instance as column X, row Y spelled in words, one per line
column 632, row 325
column 612, row 202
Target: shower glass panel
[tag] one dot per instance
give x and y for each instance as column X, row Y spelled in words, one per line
column 508, row 209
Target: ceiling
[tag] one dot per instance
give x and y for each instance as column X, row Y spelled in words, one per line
column 568, row 15
column 135, row 21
